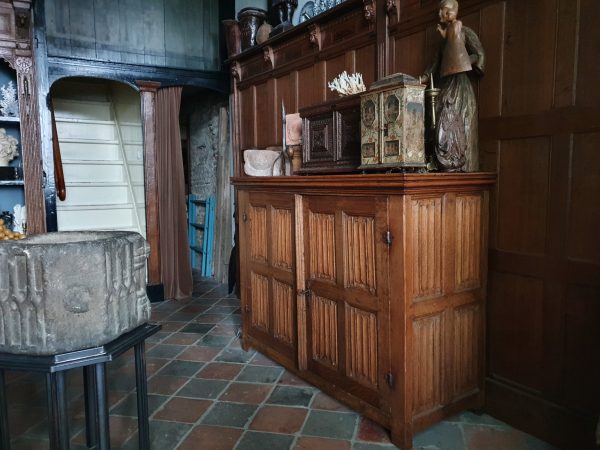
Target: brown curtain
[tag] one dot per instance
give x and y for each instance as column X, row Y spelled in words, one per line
column 176, row 270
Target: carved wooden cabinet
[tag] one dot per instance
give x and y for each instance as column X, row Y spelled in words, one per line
column 371, row 287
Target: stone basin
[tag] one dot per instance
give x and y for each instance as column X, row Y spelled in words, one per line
column 72, row 290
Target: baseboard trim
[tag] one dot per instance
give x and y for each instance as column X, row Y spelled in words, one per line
column 548, row 421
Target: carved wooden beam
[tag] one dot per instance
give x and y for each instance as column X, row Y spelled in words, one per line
column 314, row 36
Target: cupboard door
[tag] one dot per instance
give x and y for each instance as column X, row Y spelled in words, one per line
column 347, row 309
column 269, row 294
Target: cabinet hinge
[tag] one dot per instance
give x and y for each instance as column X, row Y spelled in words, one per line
column 389, row 379
column 245, row 217
column 388, row 238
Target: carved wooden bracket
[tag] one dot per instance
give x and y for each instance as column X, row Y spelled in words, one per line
column 369, row 10
column 391, row 7
column 268, row 56
column 314, row 36
column 235, row 71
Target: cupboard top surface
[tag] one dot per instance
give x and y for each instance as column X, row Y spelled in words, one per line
column 380, row 183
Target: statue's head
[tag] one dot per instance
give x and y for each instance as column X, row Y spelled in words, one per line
column 448, row 11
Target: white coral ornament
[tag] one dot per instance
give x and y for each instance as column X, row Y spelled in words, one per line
column 345, row 84
column 9, row 105
column 8, row 147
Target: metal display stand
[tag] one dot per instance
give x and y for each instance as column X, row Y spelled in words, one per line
column 93, row 361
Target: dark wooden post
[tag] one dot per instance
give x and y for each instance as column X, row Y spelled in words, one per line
column 148, row 98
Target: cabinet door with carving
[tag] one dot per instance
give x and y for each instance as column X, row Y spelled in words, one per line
column 267, row 279
column 344, row 331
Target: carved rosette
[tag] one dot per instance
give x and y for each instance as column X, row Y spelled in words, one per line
column 314, row 36
column 268, row 56
column 369, row 10
column 23, row 65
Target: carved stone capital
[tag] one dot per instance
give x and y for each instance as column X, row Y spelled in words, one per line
column 23, row 65
column 235, row 71
column 314, row 36
column 369, row 10
column 268, row 56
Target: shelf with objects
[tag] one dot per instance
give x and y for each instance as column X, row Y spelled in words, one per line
column 12, row 198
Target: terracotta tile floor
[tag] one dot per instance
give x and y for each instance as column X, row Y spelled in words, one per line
column 205, row 392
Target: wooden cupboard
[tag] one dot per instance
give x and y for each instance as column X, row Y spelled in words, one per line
column 371, row 287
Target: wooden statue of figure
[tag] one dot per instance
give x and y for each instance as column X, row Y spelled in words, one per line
column 459, row 54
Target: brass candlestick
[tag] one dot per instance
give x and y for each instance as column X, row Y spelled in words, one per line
column 431, row 95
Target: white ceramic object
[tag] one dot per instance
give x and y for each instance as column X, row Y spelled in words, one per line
column 262, row 163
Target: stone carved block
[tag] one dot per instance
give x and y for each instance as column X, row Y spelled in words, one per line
column 67, row 291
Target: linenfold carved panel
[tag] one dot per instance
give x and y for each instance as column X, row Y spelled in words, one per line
column 282, row 238
column 259, row 286
column 324, row 330
column 427, row 247
column 322, row 249
column 258, row 231
column 361, row 345
column 283, row 308
column 427, row 363
column 359, row 252
column 466, row 349
column 468, row 241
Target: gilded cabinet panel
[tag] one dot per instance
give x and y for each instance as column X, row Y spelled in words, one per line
column 259, row 285
column 468, row 242
column 282, row 238
column 361, row 345
column 359, row 252
column 283, row 312
column 322, row 246
column 427, row 363
column 427, row 247
column 258, row 233
column 324, row 330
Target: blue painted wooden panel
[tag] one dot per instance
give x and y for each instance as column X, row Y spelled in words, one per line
column 162, row 33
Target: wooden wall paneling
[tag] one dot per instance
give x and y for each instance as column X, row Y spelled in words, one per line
column 523, row 192
column 409, row 54
column 247, row 119
column 285, row 90
column 333, row 67
column 588, row 56
column 131, row 31
column 582, row 341
column 364, row 63
column 322, row 261
column 312, row 84
column 259, row 301
column 491, row 34
column 107, row 27
column 515, row 329
column 301, row 292
column 427, row 361
column 81, row 27
column 57, row 27
column 584, row 219
column 266, row 114
column 324, row 331
column 283, row 312
column 529, row 42
column 468, row 236
column 567, row 53
column 154, row 33
column 466, row 352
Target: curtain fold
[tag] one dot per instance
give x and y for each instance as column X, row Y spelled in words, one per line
column 176, row 270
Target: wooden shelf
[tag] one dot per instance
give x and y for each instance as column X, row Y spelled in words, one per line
column 9, row 119
column 11, row 183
